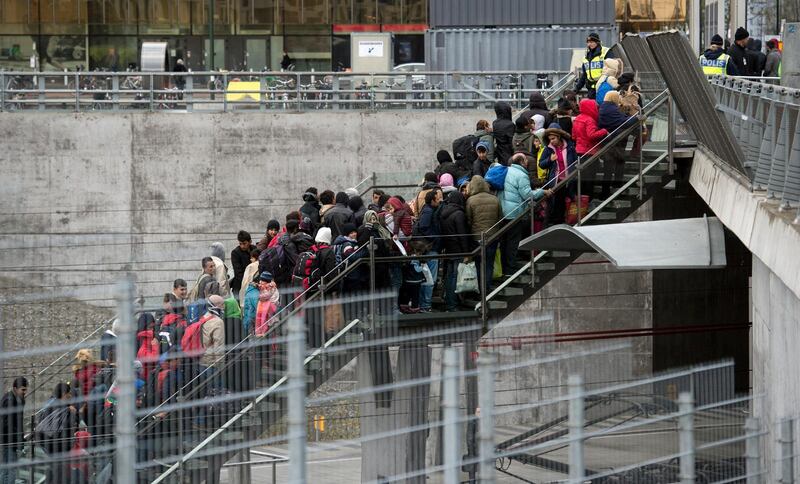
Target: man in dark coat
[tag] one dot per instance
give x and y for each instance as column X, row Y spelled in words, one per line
column 446, row 165
column 340, row 214
column 743, row 60
column 12, row 408
column 456, row 239
column 311, row 207
column 759, row 58
column 503, row 129
column 537, row 105
column 240, row 259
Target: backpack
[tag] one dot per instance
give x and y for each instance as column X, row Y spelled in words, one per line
column 52, row 425
column 274, row 260
column 496, row 177
column 464, row 154
column 168, row 333
column 192, row 340
column 302, row 270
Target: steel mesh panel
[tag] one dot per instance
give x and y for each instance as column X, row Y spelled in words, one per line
column 638, row 53
column 692, row 93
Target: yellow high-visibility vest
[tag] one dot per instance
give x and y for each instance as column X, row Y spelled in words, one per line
column 715, row 66
column 594, row 66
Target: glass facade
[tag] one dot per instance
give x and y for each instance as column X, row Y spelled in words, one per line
column 248, row 34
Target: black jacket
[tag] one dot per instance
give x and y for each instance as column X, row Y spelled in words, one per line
column 240, row 259
column 742, row 60
column 336, row 217
column 453, row 221
column 503, row 130
column 310, row 209
column 759, row 57
column 537, row 105
column 11, row 421
column 448, row 167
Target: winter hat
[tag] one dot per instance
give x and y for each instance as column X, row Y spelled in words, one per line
column 538, row 122
column 442, row 156
column 483, row 145
column 593, row 36
column 741, row 34
column 521, row 123
column 612, row 67
column 215, row 300
column 446, row 180
column 772, row 43
column 349, row 228
column 310, row 196
column 218, row 250
column 273, row 225
column 265, row 276
column 351, row 192
column 342, row 198
column 323, row 236
column 626, row 78
column 717, row 40
column 305, row 225
column 555, row 128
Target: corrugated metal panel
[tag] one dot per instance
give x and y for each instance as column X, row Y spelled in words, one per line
column 692, row 93
column 638, row 53
column 511, row 13
column 507, row 49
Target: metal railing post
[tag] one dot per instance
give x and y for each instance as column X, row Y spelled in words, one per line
column 335, row 87
column 372, row 282
column 486, row 365
column 77, row 92
column 224, row 96
column 686, row 437
column 299, row 96
column 576, row 421
column 445, row 91
column 533, row 252
column 296, row 389
column 483, row 279
column 188, row 95
column 641, row 160
column 452, row 430
column 671, row 126
column 41, row 94
column 152, row 97
column 125, row 425
column 786, row 443
column 409, row 83
column 579, row 191
column 2, row 91
column 114, row 92
column 752, row 453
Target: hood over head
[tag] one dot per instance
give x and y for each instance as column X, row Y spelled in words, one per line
column 442, row 156
column 477, row 185
column 502, row 110
column 589, row 108
column 536, row 101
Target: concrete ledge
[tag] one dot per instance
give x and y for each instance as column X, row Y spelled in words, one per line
column 768, row 232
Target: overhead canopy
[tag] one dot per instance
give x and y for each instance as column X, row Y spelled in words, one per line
column 694, row 243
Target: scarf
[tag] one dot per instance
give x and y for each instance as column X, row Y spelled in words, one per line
column 373, row 222
column 270, row 294
column 560, row 159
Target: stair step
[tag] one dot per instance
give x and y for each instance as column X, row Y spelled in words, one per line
column 560, row 253
column 268, row 406
column 511, row 291
column 232, row 436
column 621, row 203
column 352, row 337
column 545, row 266
column 606, row 216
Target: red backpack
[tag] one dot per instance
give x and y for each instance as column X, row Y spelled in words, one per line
column 192, row 340
column 302, row 270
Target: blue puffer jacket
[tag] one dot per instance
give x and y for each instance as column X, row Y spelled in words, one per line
column 250, row 307
column 516, row 190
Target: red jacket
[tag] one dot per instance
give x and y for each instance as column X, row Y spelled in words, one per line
column 584, row 129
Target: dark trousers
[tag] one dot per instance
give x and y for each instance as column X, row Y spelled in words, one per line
column 488, row 272
column 557, row 207
column 509, row 246
column 613, row 168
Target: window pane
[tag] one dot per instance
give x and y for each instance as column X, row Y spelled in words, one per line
column 18, row 16
column 291, row 12
column 57, row 52
column 257, row 13
column 15, row 52
column 112, row 16
column 309, row 51
column 63, row 12
column 389, row 12
column 342, row 10
column 415, row 12
column 315, row 12
column 112, row 53
column 365, row 12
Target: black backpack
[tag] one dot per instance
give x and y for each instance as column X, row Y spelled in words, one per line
column 464, row 152
column 274, row 260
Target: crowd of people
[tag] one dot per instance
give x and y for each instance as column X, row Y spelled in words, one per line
column 480, row 188
column 743, row 57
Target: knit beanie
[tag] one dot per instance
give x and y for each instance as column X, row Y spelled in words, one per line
column 717, row 40
column 741, row 34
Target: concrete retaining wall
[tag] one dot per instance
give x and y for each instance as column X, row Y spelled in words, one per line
column 87, row 197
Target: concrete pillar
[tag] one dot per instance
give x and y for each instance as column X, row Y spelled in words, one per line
column 401, row 452
column 790, row 76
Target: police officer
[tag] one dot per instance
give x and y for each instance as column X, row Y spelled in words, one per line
column 715, row 61
column 592, row 67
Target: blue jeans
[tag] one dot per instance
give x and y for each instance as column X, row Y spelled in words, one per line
column 9, row 475
column 450, row 278
column 426, row 291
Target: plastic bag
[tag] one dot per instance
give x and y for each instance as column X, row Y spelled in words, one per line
column 497, row 272
column 467, row 278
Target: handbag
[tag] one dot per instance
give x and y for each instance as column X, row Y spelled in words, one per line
column 467, row 278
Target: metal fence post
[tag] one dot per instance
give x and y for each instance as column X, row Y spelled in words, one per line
column 641, row 161
column 484, row 280
column 752, row 453
column 686, row 437
column 188, row 96
column 296, row 389
column 125, row 426
column 41, row 95
column 671, row 126
column 3, row 91
column 372, row 324
column 576, row 420
column 486, row 365
column 786, row 442
column 452, row 434
column 114, row 92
